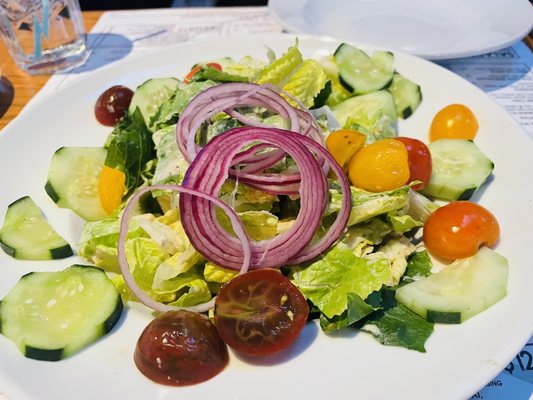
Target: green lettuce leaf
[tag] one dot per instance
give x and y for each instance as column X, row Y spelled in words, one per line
column 418, row 266
column 403, row 223
column 399, row 326
column 366, row 205
column 395, row 251
column 244, row 198
column 279, row 71
column 171, row 165
column 356, row 310
column 98, row 242
column 168, row 112
column 328, row 281
column 216, row 274
column 131, row 148
column 306, row 83
column 362, row 237
column 376, row 127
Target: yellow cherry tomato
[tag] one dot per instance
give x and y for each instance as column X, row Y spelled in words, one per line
column 111, row 187
column 380, row 166
column 455, row 121
column 343, row 144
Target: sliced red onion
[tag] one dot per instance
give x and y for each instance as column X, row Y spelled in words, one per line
column 123, row 262
column 228, row 96
column 209, row 171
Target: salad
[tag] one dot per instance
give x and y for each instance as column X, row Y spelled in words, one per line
column 316, row 195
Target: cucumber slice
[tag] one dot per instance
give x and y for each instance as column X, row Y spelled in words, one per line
column 149, row 96
column 366, row 106
column 459, row 169
column 52, row 315
column 360, row 73
column 27, row 235
column 406, row 94
column 73, row 180
column 460, row 290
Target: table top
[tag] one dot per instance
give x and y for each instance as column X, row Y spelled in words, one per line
column 18, row 87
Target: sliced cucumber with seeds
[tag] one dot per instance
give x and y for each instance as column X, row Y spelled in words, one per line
column 73, row 180
column 360, row 73
column 52, row 315
column 459, row 169
column 365, row 107
column 460, row 290
column 149, row 96
column 27, row 235
column 406, row 94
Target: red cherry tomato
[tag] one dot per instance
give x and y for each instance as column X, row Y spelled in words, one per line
column 180, row 348
column 260, row 313
column 455, row 121
column 197, row 68
column 112, row 105
column 458, row 229
column 419, row 159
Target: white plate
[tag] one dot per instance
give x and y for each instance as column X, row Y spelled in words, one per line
column 433, row 29
column 460, row 359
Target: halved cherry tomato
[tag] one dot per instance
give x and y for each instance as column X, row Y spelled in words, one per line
column 180, row 348
column 197, row 68
column 343, row 144
column 260, row 313
column 382, row 165
column 419, row 158
column 455, row 121
column 458, row 229
column 111, row 187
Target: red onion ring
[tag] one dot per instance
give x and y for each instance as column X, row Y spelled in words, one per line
column 227, row 96
column 123, row 262
column 209, row 171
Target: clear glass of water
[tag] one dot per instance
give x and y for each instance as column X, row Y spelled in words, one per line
column 44, row 36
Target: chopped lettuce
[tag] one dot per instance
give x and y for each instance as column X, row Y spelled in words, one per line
column 306, row 83
column 420, row 207
column 131, row 148
column 356, row 310
column 171, row 165
column 244, row 198
column 403, row 223
column 260, row 225
column 279, row 71
column 395, row 251
column 418, row 266
column 328, row 281
column 366, row 205
column 362, row 237
column 399, row 326
column 168, row 112
column 376, row 126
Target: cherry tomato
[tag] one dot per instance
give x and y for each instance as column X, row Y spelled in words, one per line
column 180, row 348
column 260, row 313
column 458, row 229
column 343, row 144
column 419, row 159
column 382, row 165
column 455, row 121
column 112, row 105
column 197, row 68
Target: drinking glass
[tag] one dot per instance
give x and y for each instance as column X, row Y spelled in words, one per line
column 43, row 36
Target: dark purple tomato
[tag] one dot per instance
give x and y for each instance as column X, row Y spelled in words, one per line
column 112, row 105
column 180, row 348
column 260, row 313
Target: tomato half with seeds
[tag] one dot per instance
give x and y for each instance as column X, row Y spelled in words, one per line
column 419, row 160
column 260, row 313
column 458, row 229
